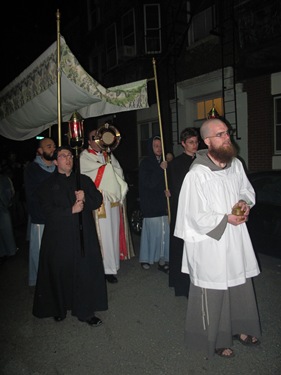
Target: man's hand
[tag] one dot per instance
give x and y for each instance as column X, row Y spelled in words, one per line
column 80, row 200
column 245, row 207
column 80, row 195
column 77, row 207
column 164, row 164
column 236, row 220
column 167, row 193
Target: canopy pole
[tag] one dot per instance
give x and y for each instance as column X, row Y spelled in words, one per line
column 161, row 133
column 59, row 78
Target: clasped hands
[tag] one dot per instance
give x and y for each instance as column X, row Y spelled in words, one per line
column 237, row 220
column 79, row 203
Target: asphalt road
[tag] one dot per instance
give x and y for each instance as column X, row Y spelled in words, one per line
column 142, row 332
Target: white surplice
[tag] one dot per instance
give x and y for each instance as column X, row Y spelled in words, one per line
column 207, row 196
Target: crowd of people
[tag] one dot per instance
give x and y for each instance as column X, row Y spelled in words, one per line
column 79, row 232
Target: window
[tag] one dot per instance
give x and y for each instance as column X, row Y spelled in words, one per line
column 93, row 14
column 128, row 48
column 204, row 107
column 146, row 131
column 152, row 28
column 111, row 43
column 277, row 125
column 201, row 25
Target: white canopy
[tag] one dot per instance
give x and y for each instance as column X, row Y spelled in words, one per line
column 28, row 105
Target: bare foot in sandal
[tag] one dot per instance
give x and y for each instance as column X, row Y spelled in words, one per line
column 225, row 352
column 247, row 340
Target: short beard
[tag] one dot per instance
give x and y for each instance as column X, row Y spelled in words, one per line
column 223, row 155
column 47, row 156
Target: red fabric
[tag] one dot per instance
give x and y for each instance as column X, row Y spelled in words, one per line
column 100, row 171
column 122, row 238
column 99, row 176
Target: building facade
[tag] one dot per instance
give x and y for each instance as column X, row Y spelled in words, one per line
column 196, row 55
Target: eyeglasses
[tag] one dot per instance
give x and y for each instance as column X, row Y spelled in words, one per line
column 226, row 133
column 192, row 143
column 65, row 156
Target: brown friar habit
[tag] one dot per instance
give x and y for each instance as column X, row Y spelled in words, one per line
column 67, row 280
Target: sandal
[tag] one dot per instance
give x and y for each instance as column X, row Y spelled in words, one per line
column 225, row 352
column 248, row 340
column 145, row 266
column 164, row 268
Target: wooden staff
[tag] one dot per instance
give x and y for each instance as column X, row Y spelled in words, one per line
column 161, row 133
column 76, row 140
column 78, row 182
column 59, row 78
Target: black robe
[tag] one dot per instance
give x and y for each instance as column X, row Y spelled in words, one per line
column 177, row 170
column 66, row 280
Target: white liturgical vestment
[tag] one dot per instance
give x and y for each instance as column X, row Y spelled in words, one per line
column 207, row 195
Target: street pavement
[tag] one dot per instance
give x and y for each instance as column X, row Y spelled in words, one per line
column 142, row 332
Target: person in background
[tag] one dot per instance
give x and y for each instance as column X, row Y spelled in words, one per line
column 70, row 274
column 8, row 245
column 176, row 173
column 218, row 253
column 154, row 243
column 111, row 219
column 35, row 173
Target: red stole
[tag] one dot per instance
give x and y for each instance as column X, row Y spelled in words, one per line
column 100, row 170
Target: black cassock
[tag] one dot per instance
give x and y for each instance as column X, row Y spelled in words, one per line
column 177, row 170
column 67, row 280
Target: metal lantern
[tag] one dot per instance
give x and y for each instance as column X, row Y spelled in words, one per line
column 213, row 113
column 76, row 131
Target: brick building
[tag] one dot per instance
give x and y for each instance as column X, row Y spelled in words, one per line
column 222, row 53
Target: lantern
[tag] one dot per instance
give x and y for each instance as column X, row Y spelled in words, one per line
column 76, row 131
column 213, row 113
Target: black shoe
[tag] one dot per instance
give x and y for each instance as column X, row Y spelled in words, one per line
column 94, row 321
column 164, row 268
column 58, row 318
column 111, row 279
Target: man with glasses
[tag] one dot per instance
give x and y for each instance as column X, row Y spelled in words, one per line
column 70, row 273
column 218, row 253
column 177, row 170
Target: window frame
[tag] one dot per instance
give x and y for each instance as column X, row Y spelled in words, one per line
column 111, row 50
column 209, row 15
column 152, row 30
column 277, row 134
column 127, row 48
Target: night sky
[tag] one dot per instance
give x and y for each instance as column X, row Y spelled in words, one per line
column 29, row 30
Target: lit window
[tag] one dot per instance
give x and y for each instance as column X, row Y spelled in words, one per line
column 204, row 107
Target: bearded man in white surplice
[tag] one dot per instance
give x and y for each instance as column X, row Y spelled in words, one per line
column 218, row 253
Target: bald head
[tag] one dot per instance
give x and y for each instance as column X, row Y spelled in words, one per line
column 44, row 142
column 46, row 150
column 209, row 127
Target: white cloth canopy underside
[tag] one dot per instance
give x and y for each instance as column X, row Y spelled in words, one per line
column 29, row 104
